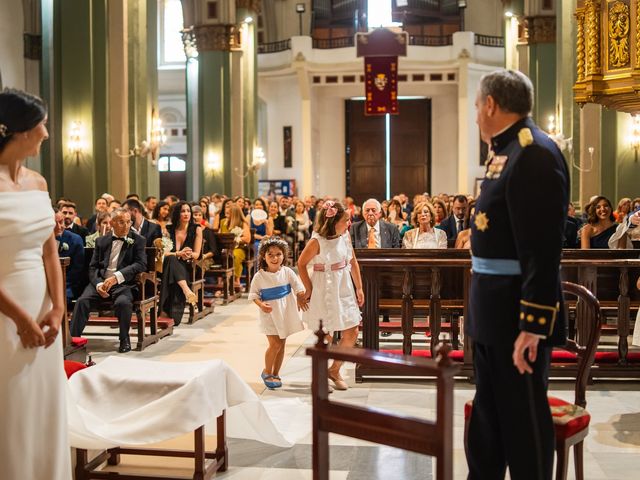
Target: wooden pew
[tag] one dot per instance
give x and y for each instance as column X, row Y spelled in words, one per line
column 372, row 424
column 222, row 267
column 407, row 282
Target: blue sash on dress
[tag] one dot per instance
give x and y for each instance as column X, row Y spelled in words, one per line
column 275, row 293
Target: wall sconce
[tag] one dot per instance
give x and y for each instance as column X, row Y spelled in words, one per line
column 214, row 162
column 551, row 126
column 77, row 140
column 150, row 147
column 634, row 135
column 259, row 159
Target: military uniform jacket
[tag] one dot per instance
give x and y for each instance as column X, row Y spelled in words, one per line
column 520, row 215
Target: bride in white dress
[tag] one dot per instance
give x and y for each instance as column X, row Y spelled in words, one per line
column 33, row 420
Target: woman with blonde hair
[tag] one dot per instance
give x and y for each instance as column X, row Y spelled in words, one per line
column 235, row 223
column 624, row 207
column 424, row 235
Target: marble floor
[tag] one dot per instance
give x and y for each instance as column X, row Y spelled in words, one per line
column 612, row 449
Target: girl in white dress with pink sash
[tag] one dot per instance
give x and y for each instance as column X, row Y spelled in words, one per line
column 330, row 289
column 33, row 415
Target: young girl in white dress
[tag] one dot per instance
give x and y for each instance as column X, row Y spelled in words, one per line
column 330, row 289
column 274, row 289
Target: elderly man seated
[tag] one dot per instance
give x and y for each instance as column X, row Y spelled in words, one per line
column 118, row 257
column 372, row 232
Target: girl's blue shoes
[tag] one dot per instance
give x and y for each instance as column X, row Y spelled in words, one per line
column 271, row 381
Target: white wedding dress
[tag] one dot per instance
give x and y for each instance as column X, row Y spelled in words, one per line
column 33, row 418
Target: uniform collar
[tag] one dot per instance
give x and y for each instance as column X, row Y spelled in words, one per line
column 504, row 138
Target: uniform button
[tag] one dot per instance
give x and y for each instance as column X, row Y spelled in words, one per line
column 529, row 318
column 542, row 320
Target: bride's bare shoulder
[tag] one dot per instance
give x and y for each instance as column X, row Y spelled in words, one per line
column 35, row 181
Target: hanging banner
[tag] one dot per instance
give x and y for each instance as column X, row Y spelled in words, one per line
column 381, row 84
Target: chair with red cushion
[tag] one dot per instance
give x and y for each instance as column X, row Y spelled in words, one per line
column 571, row 420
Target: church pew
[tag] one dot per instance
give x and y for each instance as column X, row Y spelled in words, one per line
column 434, row 438
column 222, row 268
column 410, row 282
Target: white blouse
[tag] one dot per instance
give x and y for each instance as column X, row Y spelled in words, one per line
column 436, row 238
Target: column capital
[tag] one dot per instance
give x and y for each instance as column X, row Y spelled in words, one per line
column 252, row 5
column 215, row 38
column 539, row 29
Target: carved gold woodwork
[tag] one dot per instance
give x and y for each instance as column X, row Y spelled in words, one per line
column 216, row 37
column 608, row 54
column 252, row 5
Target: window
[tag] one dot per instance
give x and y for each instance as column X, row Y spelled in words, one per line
column 171, row 164
column 379, row 13
column 171, row 24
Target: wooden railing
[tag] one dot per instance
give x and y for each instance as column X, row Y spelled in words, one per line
column 371, row 424
column 429, row 283
column 489, row 41
column 431, row 40
column 337, row 42
column 274, row 47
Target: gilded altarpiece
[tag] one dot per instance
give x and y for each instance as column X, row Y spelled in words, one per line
column 608, row 54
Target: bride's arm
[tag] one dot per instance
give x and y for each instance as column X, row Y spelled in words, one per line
column 53, row 272
column 28, row 330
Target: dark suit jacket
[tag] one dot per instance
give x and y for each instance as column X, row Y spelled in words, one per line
column 389, row 235
column 78, row 230
column 150, row 231
column 450, row 226
column 131, row 262
column 72, row 246
column 571, row 233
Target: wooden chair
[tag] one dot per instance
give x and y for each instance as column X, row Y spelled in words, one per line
column 197, row 286
column 371, row 424
column 250, row 260
column 571, row 420
column 222, row 267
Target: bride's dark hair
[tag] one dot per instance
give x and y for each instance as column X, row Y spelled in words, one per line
column 19, row 112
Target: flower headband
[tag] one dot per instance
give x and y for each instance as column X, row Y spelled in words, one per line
column 330, row 207
column 3, row 130
column 273, row 242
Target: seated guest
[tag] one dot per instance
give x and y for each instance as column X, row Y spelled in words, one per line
column 278, row 220
column 117, row 259
column 70, row 213
column 70, row 245
column 142, row 226
column 600, row 224
column 224, row 212
column 113, row 204
column 235, row 223
column 303, row 224
column 627, row 232
column 263, row 228
column 372, row 232
column 149, row 204
column 161, row 215
column 135, row 196
column 455, row 223
column 463, row 241
column 176, row 269
column 103, row 226
column 396, row 215
column 571, row 228
column 624, row 207
column 441, row 210
column 423, row 217
column 100, row 206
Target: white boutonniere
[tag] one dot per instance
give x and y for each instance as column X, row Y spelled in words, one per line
column 64, row 246
column 129, row 240
column 525, row 137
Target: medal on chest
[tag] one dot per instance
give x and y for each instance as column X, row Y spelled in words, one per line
column 495, row 167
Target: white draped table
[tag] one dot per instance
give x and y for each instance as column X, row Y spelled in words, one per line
column 130, row 402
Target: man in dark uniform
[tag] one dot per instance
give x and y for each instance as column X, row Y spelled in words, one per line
column 516, row 313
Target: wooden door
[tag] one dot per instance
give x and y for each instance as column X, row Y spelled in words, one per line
column 365, row 145
column 411, row 147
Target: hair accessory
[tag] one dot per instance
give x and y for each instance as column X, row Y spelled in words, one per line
column 272, row 242
column 331, row 209
column 3, row 130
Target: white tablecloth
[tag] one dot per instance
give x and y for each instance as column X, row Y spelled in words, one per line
column 136, row 402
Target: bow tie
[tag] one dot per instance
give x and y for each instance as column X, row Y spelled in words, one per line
column 119, row 239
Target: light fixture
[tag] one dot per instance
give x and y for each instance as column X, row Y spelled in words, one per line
column 259, row 159
column 214, row 163
column 300, row 7
column 76, row 140
column 551, row 126
column 248, row 20
column 634, row 135
column 150, row 147
column 508, row 14
column 462, row 3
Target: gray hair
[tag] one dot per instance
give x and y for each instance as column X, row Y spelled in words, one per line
column 374, row 201
column 116, row 212
column 510, row 89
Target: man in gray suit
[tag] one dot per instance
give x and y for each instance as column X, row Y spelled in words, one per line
column 373, row 232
